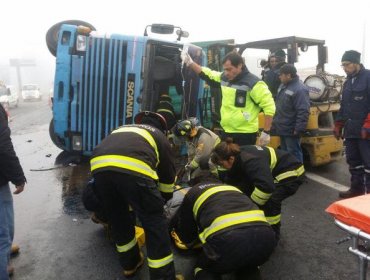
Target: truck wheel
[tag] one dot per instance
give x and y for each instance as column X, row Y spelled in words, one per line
column 52, row 33
column 54, row 138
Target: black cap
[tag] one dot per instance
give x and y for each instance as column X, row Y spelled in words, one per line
column 352, row 56
column 278, row 53
column 288, row 69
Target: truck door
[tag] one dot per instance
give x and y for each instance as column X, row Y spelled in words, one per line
column 164, row 74
column 210, row 101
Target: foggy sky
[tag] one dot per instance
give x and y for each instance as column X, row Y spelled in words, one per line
column 24, row 24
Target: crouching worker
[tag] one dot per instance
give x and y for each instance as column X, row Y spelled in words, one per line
column 134, row 166
column 266, row 175
column 200, row 143
column 234, row 233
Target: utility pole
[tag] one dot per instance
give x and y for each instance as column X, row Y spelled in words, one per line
column 363, row 56
column 18, row 63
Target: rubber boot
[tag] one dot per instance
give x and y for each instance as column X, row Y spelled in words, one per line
column 131, row 272
column 14, row 250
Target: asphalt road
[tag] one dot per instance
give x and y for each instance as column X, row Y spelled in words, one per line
column 59, row 241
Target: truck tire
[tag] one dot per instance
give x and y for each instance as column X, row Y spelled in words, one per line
column 54, row 138
column 52, row 33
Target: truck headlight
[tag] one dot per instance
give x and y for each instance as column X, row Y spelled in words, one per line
column 81, row 43
column 76, row 142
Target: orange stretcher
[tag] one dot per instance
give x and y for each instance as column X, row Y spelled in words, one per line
column 353, row 216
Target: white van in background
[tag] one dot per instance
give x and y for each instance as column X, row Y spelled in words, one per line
column 9, row 96
column 31, row 92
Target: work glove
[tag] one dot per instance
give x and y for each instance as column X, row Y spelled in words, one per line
column 188, row 167
column 186, row 59
column 365, row 131
column 264, row 138
column 178, row 241
column 338, row 129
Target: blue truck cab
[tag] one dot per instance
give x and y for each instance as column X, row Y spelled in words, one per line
column 102, row 81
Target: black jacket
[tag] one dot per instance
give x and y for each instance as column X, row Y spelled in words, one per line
column 10, row 168
column 253, row 174
column 129, row 149
column 204, row 203
column 271, row 78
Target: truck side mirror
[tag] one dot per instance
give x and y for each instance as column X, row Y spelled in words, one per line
column 160, row 28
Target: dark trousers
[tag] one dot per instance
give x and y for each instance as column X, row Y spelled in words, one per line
column 358, row 159
column 241, row 139
column 239, row 250
column 117, row 191
column 272, row 208
column 292, row 144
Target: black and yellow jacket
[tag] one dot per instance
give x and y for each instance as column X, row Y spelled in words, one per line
column 140, row 150
column 257, row 169
column 211, row 209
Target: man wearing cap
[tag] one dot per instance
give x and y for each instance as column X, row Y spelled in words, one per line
column 292, row 111
column 134, row 165
column 353, row 123
column 271, row 77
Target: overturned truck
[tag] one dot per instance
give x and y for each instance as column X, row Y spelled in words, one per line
column 102, row 81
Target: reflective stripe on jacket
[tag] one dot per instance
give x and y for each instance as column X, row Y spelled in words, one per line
column 256, row 170
column 239, row 118
column 140, row 150
column 210, row 209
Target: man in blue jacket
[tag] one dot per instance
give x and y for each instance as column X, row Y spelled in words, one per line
column 354, row 118
column 10, row 171
column 292, row 111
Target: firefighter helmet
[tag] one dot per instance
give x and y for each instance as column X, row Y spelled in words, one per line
column 184, row 127
column 151, row 118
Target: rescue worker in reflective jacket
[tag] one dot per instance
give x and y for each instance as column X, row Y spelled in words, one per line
column 134, row 166
column 266, row 175
column 200, row 143
column 244, row 95
column 234, row 233
column 354, row 118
